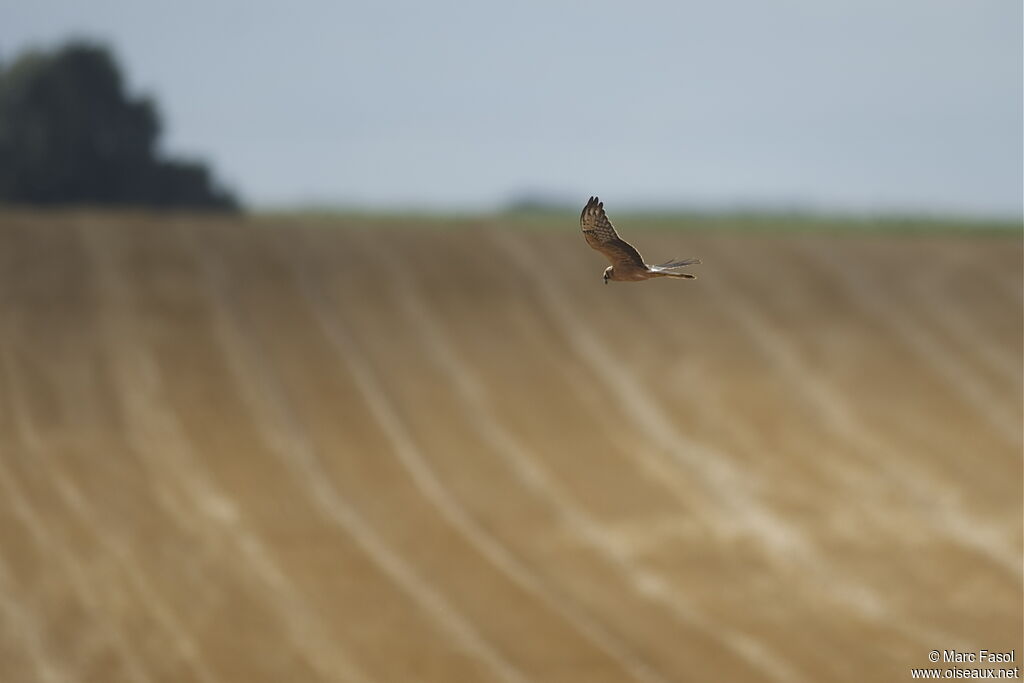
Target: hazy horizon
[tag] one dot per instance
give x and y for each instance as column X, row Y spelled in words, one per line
column 865, row 108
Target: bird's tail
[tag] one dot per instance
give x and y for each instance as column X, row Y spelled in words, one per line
column 664, row 269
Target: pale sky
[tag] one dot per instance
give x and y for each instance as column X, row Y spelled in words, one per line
column 869, row 105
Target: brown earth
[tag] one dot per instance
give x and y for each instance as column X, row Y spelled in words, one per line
column 287, row 450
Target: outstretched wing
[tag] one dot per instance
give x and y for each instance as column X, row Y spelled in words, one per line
column 601, row 235
column 669, row 265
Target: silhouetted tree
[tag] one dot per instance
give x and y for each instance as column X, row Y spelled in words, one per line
column 69, row 134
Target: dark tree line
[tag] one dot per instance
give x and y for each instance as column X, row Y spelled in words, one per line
column 70, row 134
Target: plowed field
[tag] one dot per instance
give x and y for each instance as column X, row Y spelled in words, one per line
column 340, row 450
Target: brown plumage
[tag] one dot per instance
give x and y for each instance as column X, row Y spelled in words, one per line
column 627, row 264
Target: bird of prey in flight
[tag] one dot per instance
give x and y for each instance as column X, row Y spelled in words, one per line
column 626, row 263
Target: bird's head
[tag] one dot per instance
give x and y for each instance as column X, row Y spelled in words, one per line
column 607, row 274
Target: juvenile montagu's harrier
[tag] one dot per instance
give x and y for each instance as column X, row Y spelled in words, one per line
column 626, row 263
